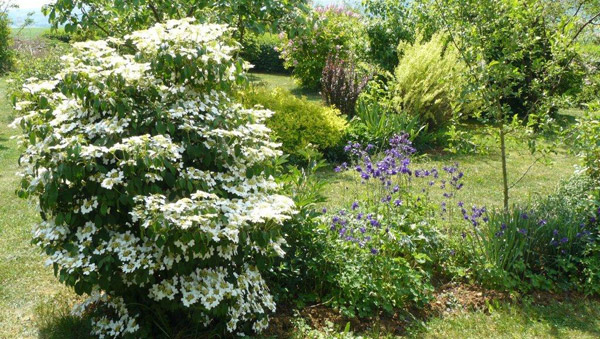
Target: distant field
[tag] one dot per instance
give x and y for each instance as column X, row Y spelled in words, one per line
column 29, row 32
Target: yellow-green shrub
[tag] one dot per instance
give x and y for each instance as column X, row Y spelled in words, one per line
column 298, row 122
column 428, row 81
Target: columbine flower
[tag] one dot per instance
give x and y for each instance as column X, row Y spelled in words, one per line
column 354, row 205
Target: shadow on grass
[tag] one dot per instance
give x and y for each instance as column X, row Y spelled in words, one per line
column 54, row 321
column 571, row 314
column 3, row 141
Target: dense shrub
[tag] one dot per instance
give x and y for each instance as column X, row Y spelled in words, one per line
column 328, row 30
column 549, row 245
column 155, row 190
column 389, row 23
column 261, row 51
column 428, row 81
column 6, row 54
column 342, row 83
column 298, row 122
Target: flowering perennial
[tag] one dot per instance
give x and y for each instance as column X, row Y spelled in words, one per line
column 154, row 188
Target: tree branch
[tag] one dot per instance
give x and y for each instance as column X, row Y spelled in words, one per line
column 155, row 12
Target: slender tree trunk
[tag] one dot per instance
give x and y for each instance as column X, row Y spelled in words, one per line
column 504, row 173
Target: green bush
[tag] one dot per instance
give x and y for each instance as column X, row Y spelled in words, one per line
column 328, row 30
column 262, row 52
column 155, row 189
column 585, row 137
column 428, row 82
column 6, row 53
column 298, row 122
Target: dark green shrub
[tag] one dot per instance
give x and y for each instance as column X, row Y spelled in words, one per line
column 261, row 51
column 298, row 124
column 6, row 54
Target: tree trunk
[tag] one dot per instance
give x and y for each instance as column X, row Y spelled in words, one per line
column 504, row 173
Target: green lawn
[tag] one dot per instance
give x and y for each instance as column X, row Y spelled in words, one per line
column 34, row 304
column 577, row 318
column 286, row 82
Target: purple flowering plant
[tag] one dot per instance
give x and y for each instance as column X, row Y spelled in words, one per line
column 388, row 219
column 538, row 245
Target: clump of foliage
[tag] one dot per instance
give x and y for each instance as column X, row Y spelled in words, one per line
column 6, row 53
column 328, row 30
column 155, row 189
column 585, row 136
column 298, row 123
column 376, row 119
column 549, row 245
column 342, row 83
column 389, row 23
column 261, row 51
column 87, row 18
column 428, row 82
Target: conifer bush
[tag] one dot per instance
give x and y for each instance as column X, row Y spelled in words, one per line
column 155, row 189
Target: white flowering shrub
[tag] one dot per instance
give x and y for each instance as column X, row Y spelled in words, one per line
column 155, row 189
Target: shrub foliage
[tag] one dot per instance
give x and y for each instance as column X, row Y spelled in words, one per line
column 428, row 81
column 298, row 122
column 155, row 190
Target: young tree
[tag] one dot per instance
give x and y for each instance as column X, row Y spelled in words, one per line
column 517, row 60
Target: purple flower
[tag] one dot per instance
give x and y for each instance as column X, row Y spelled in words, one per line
column 374, row 251
column 359, row 216
column 461, row 204
column 555, row 232
column 522, row 231
column 354, row 205
column 324, row 210
column 564, row 240
column 543, row 222
column 524, row 216
column 503, row 227
column 397, row 202
column 375, row 223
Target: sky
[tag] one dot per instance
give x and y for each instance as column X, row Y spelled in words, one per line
column 31, row 4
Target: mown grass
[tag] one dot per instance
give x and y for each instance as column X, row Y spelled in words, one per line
column 578, row 318
column 27, row 287
column 286, row 82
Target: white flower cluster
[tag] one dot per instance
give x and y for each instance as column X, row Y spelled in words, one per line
column 151, row 181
